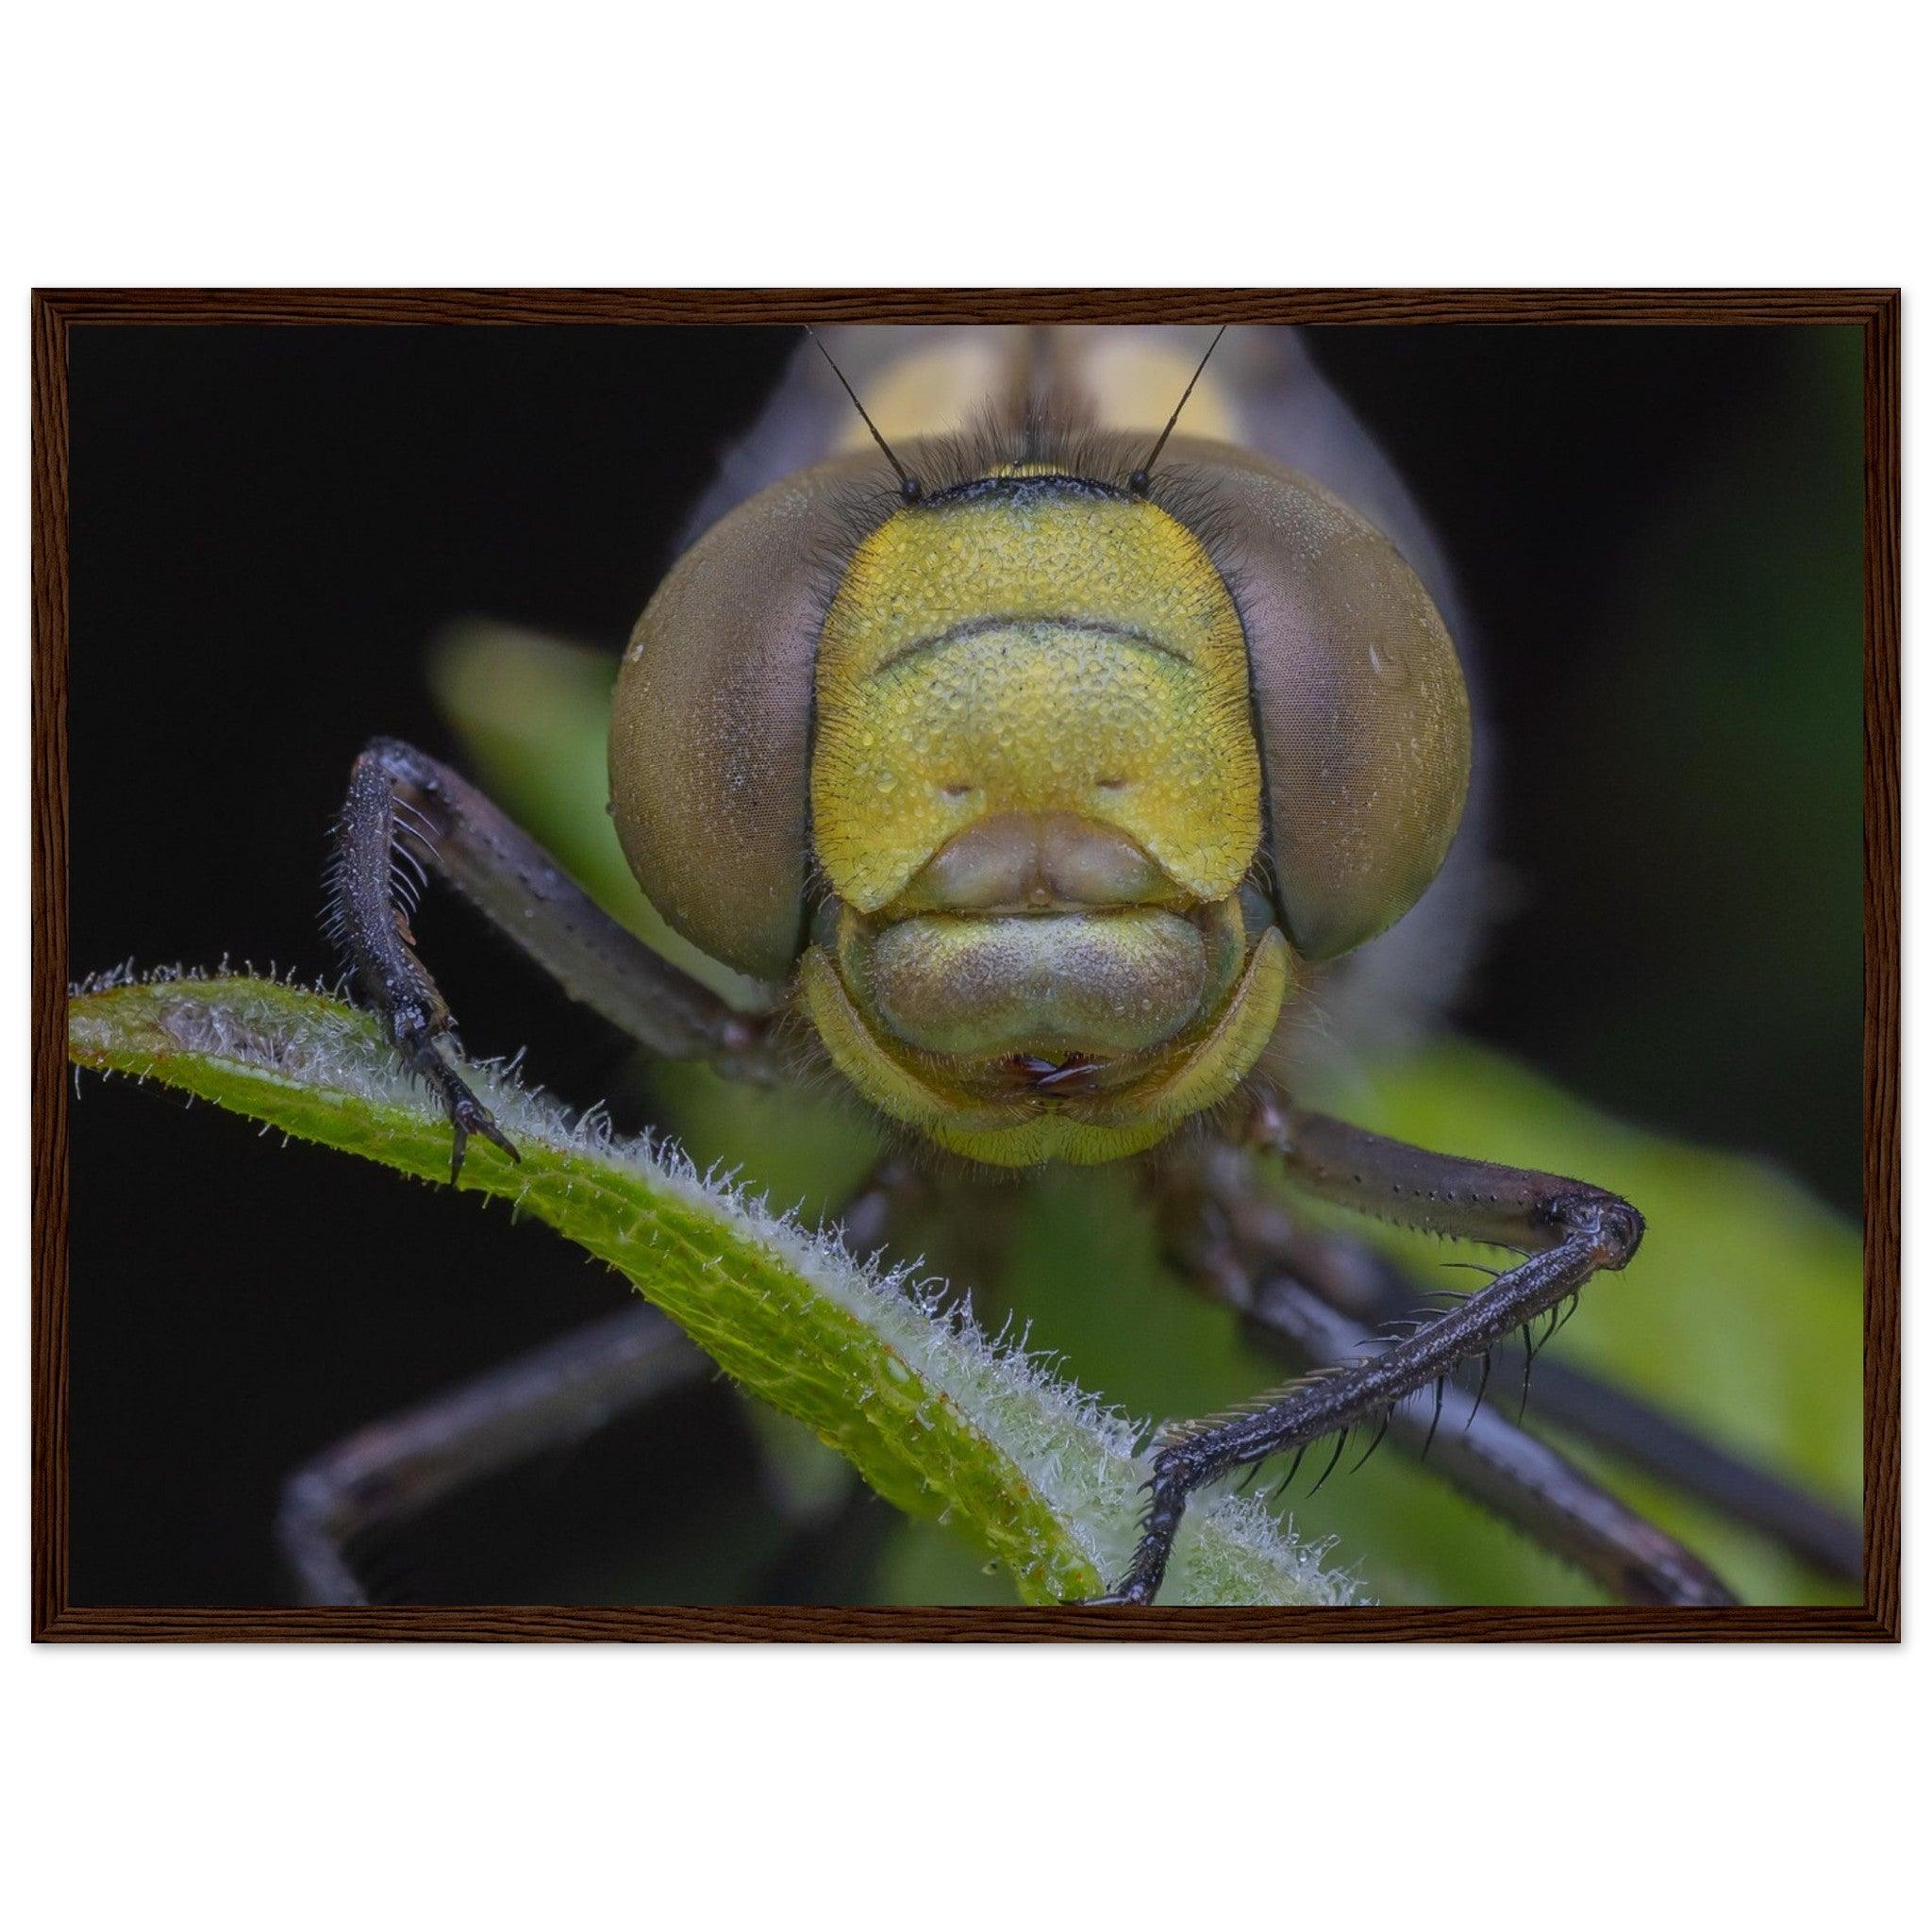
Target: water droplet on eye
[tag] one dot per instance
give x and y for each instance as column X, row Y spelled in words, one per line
column 887, row 781
column 1386, row 661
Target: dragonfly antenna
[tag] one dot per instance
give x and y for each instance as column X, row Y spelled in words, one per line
column 1138, row 481
column 908, row 483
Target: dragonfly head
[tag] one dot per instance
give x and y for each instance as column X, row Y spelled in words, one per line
column 1039, row 785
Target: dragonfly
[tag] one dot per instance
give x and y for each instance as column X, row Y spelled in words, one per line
column 1067, row 735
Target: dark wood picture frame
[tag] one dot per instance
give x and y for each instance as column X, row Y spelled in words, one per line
column 57, row 312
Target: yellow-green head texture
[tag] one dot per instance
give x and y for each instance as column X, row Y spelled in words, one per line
column 1039, row 794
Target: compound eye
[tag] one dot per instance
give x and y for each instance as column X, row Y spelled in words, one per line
column 711, row 724
column 1359, row 701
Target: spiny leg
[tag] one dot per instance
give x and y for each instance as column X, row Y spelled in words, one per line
column 1630, row 1428
column 1302, row 1298
column 1371, row 1292
column 1569, row 1229
column 1505, row 1467
column 554, row 1395
column 405, row 815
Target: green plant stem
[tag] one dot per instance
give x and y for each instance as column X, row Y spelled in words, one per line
column 936, row 1418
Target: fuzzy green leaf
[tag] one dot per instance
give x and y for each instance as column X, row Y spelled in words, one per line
column 936, row 1417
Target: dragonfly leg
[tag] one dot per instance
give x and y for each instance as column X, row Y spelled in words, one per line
column 1371, row 1292
column 556, row 1394
column 1646, row 1439
column 1514, row 1474
column 1304, row 1298
column 1567, row 1230
column 407, row 815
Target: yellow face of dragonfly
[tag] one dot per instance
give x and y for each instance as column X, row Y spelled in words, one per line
column 1039, row 799
column 1035, row 796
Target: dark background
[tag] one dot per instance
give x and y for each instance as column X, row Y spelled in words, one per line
column 1658, row 535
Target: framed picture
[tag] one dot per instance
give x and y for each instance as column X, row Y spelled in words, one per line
column 1216, row 963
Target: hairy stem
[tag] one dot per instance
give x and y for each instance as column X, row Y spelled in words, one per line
column 936, row 1417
